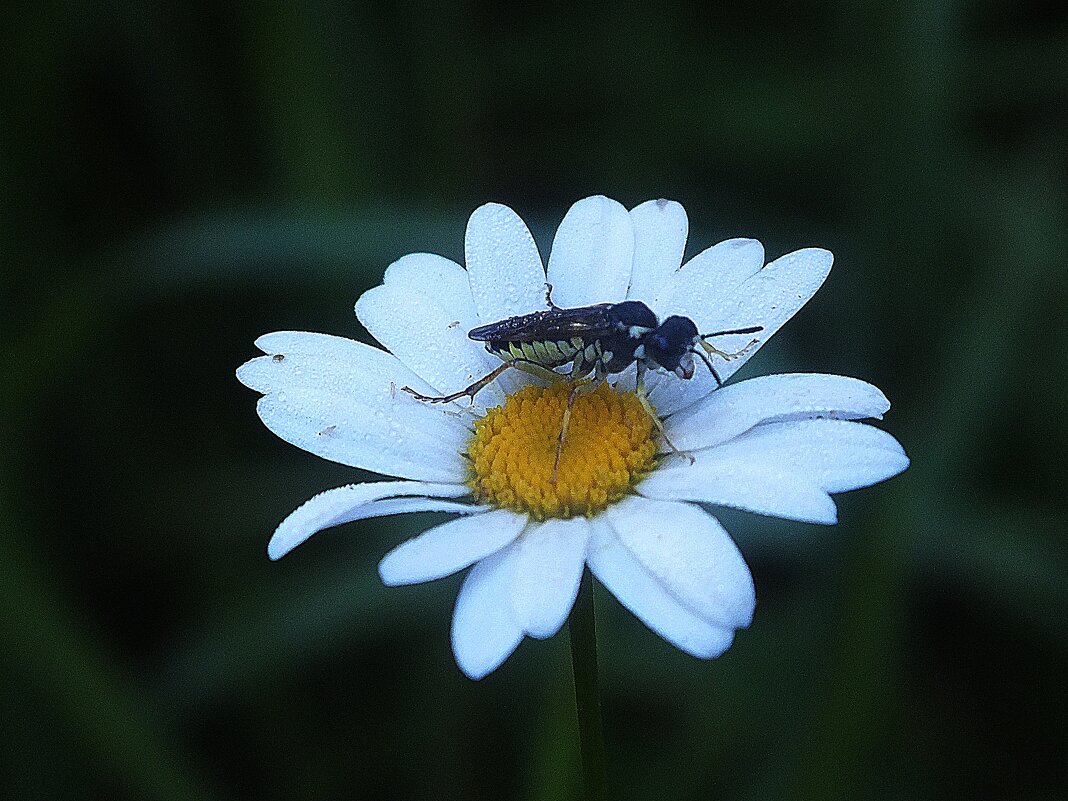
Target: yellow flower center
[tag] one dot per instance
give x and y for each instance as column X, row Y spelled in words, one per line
column 609, row 446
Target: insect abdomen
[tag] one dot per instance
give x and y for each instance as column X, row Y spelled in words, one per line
column 547, row 353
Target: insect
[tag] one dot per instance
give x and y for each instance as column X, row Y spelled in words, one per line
column 594, row 341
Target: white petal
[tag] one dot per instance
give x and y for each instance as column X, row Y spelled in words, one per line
column 430, row 338
column 783, row 469
column 764, row 489
column 660, row 228
column 769, row 299
column 452, row 546
column 361, row 501
column 626, row 380
column 448, row 285
column 484, row 633
column 435, row 277
column 342, row 400
column 669, row 393
column 592, row 254
column 302, row 358
column 441, row 281
column 836, row 455
column 735, row 409
column 709, row 281
column 507, row 277
column 338, row 429
column 548, row 570
column 690, row 554
column 640, row 592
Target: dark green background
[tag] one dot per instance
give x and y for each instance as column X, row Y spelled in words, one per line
column 177, row 179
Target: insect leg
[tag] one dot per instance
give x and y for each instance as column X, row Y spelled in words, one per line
column 643, row 398
column 581, row 387
column 712, row 349
column 469, row 392
column 535, row 369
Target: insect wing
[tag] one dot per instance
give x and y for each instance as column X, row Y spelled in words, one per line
column 588, row 322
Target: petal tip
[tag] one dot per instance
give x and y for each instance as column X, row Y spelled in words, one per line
column 715, row 651
column 739, row 242
column 601, row 203
column 385, row 573
column 491, row 209
column 277, row 549
column 245, row 372
column 816, row 261
column 263, row 341
column 477, row 666
column 361, row 306
column 661, row 204
column 544, row 630
column 821, row 257
column 473, row 673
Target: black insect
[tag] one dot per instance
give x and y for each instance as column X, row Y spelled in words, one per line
column 600, row 340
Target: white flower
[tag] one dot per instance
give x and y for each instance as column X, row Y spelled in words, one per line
column 775, row 445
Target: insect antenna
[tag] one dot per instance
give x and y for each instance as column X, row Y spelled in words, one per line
column 753, row 329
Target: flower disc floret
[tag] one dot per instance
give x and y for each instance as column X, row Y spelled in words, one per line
column 609, row 447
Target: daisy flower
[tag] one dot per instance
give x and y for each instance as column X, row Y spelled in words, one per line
column 622, row 503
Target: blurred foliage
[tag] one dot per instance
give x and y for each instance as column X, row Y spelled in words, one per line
column 179, row 178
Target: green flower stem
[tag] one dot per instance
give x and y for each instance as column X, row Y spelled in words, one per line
column 583, row 632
